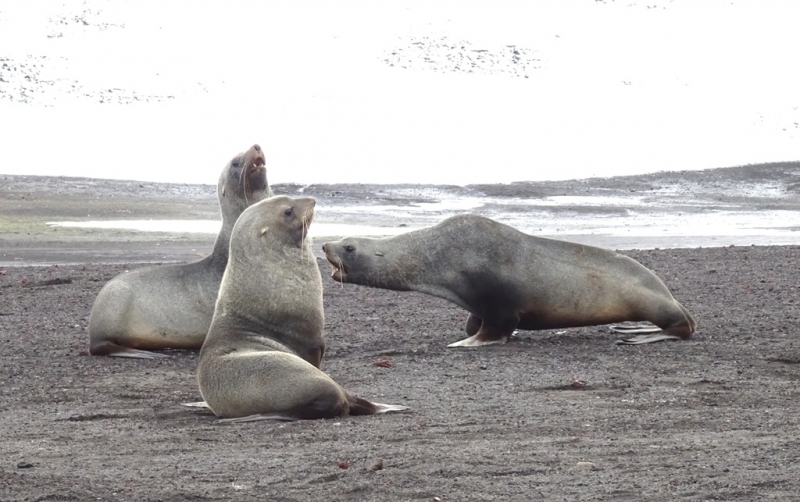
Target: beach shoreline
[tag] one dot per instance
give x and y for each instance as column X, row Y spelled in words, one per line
column 572, row 210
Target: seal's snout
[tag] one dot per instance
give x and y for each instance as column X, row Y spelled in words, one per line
column 256, row 156
column 339, row 272
column 308, row 212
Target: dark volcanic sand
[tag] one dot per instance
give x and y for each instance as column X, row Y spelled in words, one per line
column 713, row 418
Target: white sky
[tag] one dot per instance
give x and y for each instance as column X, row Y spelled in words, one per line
column 617, row 88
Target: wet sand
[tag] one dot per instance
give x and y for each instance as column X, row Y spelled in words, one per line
column 551, row 415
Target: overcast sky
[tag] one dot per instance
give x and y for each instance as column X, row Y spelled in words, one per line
column 430, row 92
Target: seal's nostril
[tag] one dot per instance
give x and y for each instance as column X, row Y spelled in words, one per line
column 256, row 148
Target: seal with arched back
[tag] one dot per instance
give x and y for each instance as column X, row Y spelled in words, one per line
column 510, row 280
column 171, row 306
column 262, row 354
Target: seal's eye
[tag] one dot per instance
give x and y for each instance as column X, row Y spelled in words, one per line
column 289, row 211
column 235, row 162
column 349, row 248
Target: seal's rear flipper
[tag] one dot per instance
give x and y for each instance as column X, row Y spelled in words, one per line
column 113, row 350
column 360, row 406
column 196, row 404
column 386, row 408
column 255, row 418
column 638, row 328
column 139, row 354
column 642, row 339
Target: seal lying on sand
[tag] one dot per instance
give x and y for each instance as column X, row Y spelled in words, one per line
column 262, row 354
column 171, row 306
column 507, row 280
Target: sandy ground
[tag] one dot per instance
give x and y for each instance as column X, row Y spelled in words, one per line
column 552, row 415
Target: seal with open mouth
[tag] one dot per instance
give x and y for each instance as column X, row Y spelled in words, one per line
column 262, row 355
column 510, row 280
column 171, row 306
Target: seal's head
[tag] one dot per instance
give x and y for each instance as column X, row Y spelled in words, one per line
column 277, row 222
column 243, row 182
column 349, row 258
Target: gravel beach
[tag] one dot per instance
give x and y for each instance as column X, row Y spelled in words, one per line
column 551, row 415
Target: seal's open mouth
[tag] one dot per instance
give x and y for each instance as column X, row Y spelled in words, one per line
column 254, row 177
column 338, row 273
column 257, row 166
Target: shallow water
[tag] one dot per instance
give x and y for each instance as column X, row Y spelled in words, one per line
column 213, row 226
column 628, row 231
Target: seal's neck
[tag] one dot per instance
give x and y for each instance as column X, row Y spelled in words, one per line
column 418, row 261
column 231, row 207
column 222, row 244
column 398, row 264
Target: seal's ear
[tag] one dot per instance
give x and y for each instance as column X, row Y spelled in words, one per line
column 378, row 253
column 223, row 190
column 264, row 231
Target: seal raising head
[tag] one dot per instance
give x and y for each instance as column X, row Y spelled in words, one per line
column 171, row 306
column 263, row 351
column 509, row 280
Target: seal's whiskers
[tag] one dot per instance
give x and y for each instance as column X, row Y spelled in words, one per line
column 243, row 182
column 305, row 240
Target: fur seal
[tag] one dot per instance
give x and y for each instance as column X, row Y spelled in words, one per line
column 171, row 306
column 510, row 280
column 263, row 351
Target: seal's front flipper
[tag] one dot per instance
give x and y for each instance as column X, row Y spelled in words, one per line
column 475, row 341
column 642, row 339
column 256, row 418
column 638, row 328
column 473, row 324
column 492, row 331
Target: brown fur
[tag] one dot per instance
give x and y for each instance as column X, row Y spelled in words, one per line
column 263, row 351
column 509, row 280
column 171, row 306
